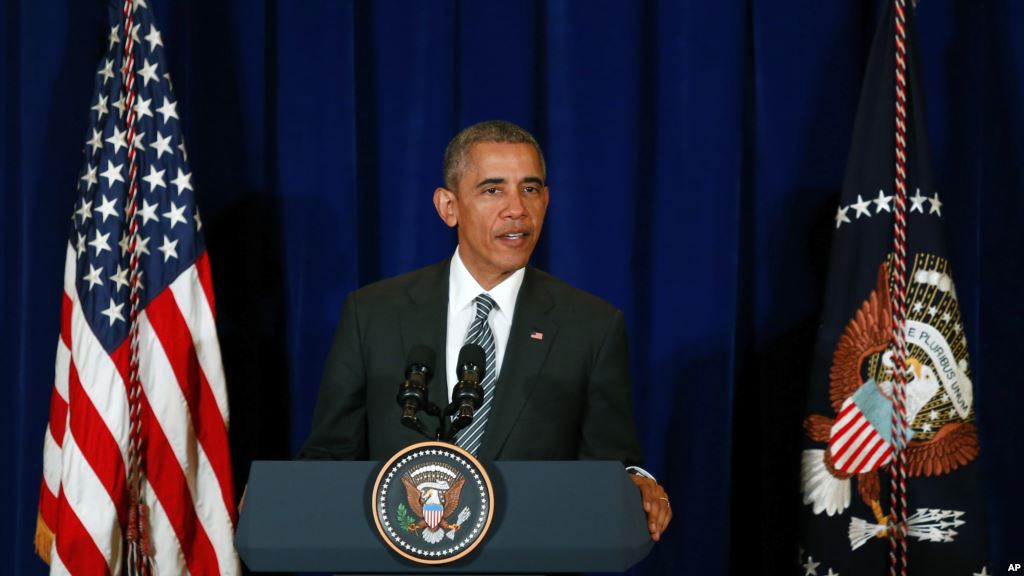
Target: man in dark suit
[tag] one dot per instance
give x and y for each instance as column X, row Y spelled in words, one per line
column 560, row 389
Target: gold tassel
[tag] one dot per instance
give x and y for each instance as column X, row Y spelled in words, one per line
column 44, row 539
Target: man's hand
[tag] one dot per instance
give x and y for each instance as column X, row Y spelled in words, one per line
column 659, row 512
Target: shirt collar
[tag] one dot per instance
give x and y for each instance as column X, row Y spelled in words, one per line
column 463, row 288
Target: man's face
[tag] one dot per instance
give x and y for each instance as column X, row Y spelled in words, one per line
column 499, row 209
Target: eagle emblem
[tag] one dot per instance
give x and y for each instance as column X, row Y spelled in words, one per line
column 416, row 496
column 432, row 492
column 858, row 438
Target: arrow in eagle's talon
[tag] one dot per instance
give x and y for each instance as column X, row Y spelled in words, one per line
column 880, row 518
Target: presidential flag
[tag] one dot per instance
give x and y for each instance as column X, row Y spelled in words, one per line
column 139, row 405
column 852, row 440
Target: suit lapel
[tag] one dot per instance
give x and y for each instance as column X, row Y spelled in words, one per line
column 425, row 322
column 529, row 341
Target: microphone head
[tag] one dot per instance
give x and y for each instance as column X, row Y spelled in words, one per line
column 420, row 359
column 471, row 357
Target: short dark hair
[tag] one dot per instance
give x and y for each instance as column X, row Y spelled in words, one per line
column 488, row 131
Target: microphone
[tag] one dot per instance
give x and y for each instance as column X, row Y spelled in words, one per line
column 468, row 394
column 412, row 393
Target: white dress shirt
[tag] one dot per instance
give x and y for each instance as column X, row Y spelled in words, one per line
column 462, row 290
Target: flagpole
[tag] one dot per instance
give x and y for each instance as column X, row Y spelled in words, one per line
column 898, row 477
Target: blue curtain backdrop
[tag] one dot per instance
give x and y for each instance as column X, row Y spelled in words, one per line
column 696, row 151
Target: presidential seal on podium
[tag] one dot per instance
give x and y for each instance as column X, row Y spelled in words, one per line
column 433, row 503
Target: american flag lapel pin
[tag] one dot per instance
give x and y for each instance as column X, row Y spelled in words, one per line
column 537, row 335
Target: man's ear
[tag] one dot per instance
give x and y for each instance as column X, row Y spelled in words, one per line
column 444, row 202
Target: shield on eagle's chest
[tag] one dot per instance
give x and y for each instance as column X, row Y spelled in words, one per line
column 432, row 514
column 860, row 439
column 856, row 445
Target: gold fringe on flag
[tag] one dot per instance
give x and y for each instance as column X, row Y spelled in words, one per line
column 44, row 539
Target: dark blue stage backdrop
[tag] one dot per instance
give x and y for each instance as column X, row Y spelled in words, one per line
column 696, row 152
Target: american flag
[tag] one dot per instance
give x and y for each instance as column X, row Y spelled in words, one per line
column 182, row 417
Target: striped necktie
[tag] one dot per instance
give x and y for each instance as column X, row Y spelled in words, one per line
column 480, row 333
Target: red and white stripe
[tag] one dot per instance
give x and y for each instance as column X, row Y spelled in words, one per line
column 855, row 445
column 84, row 498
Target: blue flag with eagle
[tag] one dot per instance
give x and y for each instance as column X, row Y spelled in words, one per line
column 849, row 437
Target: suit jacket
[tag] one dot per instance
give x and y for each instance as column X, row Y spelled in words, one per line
column 562, row 396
